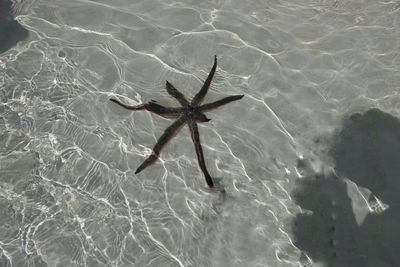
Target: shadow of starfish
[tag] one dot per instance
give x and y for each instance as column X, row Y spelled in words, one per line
column 190, row 113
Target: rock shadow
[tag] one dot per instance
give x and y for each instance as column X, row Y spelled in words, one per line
column 366, row 156
column 11, row 32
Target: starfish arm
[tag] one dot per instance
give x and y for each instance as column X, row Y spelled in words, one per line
column 194, row 131
column 203, row 91
column 152, row 107
column 165, row 137
column 220, row 102
column 139, row 107
column 176, row 94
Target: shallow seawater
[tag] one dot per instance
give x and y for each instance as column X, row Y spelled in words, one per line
column 307, row 159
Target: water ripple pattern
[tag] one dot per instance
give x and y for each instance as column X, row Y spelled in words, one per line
column 68, row 192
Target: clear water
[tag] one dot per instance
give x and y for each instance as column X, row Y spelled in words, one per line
column 306, row 183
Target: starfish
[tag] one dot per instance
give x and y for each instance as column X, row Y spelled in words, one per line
column 190, row 113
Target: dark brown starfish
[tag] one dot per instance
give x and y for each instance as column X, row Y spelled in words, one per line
column 190, row 113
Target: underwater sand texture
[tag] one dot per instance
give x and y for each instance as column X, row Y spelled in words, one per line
column 68, row 192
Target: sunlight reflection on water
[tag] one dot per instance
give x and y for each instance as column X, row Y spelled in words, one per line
column 68, row 192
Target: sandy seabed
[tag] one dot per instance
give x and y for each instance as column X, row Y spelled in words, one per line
column 308, row 158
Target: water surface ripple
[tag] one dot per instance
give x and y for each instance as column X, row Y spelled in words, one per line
column 68, row 192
